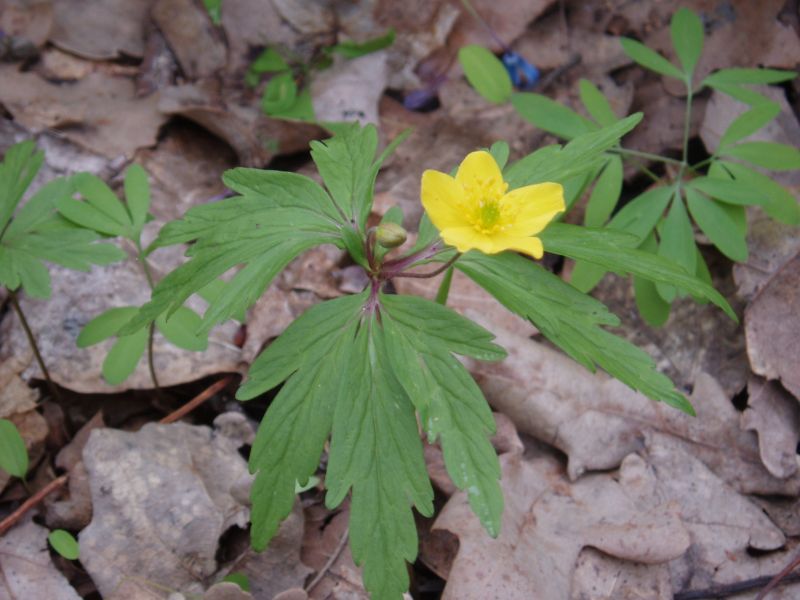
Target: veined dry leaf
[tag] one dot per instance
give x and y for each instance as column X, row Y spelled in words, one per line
column 597, row 421
column 351, row 89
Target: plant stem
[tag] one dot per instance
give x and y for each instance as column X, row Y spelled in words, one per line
column 444, row 287
column 647, row 155
column 687, row 123
column 32, row 341
column 433, row 273
column 151, row 366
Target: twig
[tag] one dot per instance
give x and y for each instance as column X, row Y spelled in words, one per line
column 434, row 273
column 17, row 515
column 59, row 482
column 783, row 576
column 724, row 591
column 332, row 559
column 34, row 346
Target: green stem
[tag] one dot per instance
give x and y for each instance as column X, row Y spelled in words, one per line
column 444, row 287
column 34, row 346
column 687, row 123
column 647, row 155
column 151, row 366
column 702, row 163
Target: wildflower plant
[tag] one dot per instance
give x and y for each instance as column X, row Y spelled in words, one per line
column 367, row 371
column 713, row 193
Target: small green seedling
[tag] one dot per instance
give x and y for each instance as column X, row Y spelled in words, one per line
column 64, row 543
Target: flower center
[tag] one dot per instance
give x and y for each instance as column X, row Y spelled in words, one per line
column 487, row 213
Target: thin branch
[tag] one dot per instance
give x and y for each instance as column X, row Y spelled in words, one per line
column 731, row 589
column 784, row 576
column 32, row 341
column 197, row 400
column 327, row 566
column 434, row 273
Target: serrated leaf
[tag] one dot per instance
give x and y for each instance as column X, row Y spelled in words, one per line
column 486, row 73
column 64, row 543
column 720, row 228
column 13, row 454
column 778, row 202
column 584, row 153
column 686, row 30
column 596, row 103
column 137, row 195
column 727, row 190
column 20, row 165
column 749, row 122
column 649, row 59
column 770, row 155
column 124, row 355
column 352, row 49
column 100, row 197
column 737, row 76
column 569, row 319
column 551, row 116
column 182, row 329
column 677, row 244
column 105, row 325
column 605, row 195
column 605, row 248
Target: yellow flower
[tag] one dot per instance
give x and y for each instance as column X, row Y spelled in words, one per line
column 476, row 210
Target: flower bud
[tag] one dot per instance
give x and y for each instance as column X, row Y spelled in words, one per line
column 390, row 235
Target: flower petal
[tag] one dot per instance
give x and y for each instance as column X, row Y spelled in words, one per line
column 467, row 238
column 442, row 197
column 479, row 169
column 532, row 246
column 535, row 206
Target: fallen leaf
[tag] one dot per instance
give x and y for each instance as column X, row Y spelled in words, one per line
column 547, row 521
column 597, row 421
column 15, row 395
column 99, row 112
column 508, row 20
column 306, row 16
column 772, row 328
column 601, row 577
column 110, row 28
column 191, row 35
column 161, row 500
column 351, row 89
column 26, row 569
column 29, row 20
column 226, row 590
column 775, row 416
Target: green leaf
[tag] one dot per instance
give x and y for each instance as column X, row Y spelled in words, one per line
column 137, row 194
column 13, row 454
column 584, row 153
column 351, row 49
column 214, row 8
column 499, row 152
column 686, row 30
column 20, row 165
column 551, row 116
column 641, row 214
column 727, row 190
column 607, row 249
column 181, row 329
column 105, row 325
column 124, row 355
column 749, row 122
column 585, row 276
column 742, row 94
column 280, row 94
column 596, row 103
column 605, row 194
column 650, row 59
column 653, row 308
column 302, row 109
column 100, row 197
column 738, row 76
column 770, row 155
column 717, row 224
column 569, row 319
column 485, row 73
column 239, row 579
column 211, row 293
column 64, row 543
column 269, row 61
column 677, row 244
column 778, row 202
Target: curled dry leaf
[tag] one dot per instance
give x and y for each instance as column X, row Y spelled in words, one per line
column 775, row 416
column 351, row 89
column 597, row 421
column 26, row 570
column 772, row 328
column 161, row 500
column 547, row 521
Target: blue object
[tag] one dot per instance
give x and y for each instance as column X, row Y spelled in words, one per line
column 523, row 74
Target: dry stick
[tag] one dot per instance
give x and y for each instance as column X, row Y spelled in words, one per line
column 332, row 559
column 32, row 342
column 782, row 576
column 730, row 589
column 59, row 482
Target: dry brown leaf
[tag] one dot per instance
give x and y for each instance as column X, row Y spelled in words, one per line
column 161, row 500
column 351, row 89
column 772, row 328
column 547, row 521
column 29, row 20
column 508, row 21
column 597, row 420
column 26, row 570
column 225, row 590
column 110, row 28
column 15, row 395
column 601, row 577
column 100, row 113
column 775, row 416
column 191, row 35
